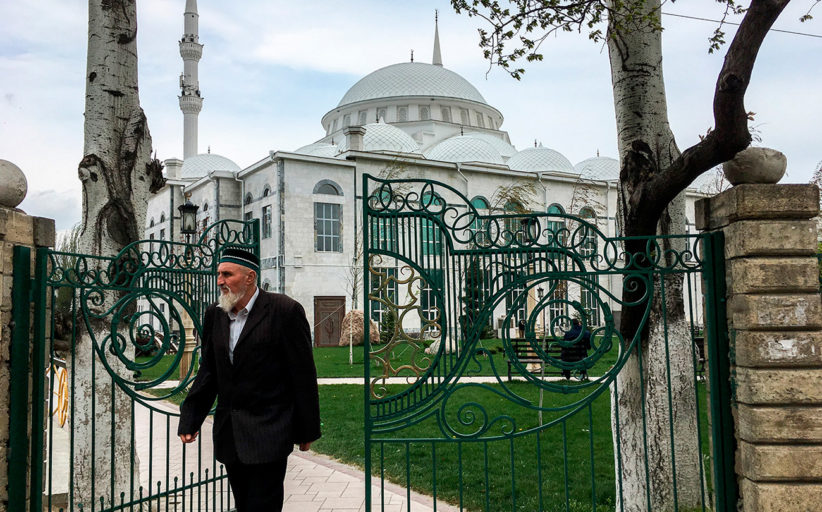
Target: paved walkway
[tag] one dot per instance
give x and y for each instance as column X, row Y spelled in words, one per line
column 313, row 483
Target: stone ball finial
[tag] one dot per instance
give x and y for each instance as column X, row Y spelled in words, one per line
column 13, row 185
column 755, row 165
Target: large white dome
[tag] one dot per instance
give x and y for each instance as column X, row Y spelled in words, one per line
column 411, row 79
column 599, row 168
column 464, row 148
column 384, row 137
column 540, row 159
column 200, row 165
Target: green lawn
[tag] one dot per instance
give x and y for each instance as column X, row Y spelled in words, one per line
column 334, row 361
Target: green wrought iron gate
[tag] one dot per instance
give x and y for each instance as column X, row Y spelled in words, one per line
column 109, row 338
column 482, row 393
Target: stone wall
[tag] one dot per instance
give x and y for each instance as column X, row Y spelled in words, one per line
column 775, row 326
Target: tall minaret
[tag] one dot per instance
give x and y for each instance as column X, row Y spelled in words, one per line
column 437, row 58
column 190, row 100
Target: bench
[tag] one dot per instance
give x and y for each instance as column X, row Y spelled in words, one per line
column 699, row 347
column 524, row 352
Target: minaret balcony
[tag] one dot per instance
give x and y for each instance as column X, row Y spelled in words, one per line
column 190, row 50
column 191, row 104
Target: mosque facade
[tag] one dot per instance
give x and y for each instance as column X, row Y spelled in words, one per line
column 410, row 119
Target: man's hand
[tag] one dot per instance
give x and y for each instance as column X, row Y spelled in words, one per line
column 189, row 438
column 304, row 447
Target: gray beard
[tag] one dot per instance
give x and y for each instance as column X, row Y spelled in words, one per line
column 227, row 300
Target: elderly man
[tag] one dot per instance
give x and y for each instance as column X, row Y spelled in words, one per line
column 256, row 360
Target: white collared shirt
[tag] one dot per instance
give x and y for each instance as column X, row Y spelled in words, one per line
column 238, row 320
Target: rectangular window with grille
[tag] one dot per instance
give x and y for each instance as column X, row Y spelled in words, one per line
column 384, row 286
column 429, row 304
column 431, row 238
column 385, row 233
column 425, row 113
column 402, row 113
column 267, row 221
column 327, row 227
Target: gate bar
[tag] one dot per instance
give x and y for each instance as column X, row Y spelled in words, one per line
column 719, row 377
column 38, row 364
column 19, row 381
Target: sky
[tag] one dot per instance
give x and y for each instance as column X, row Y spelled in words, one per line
column 271, row 69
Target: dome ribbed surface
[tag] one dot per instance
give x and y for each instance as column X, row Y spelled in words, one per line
column 200, row 165
column 505, row 150
column 464, row 148
column 411, row 79
column 599, row 168
column 319, row 149
column 384, row 137
column 540, row 159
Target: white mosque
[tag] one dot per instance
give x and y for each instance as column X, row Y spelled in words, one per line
column 421, row 118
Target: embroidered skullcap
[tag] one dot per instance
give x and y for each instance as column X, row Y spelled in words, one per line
column 241, row 257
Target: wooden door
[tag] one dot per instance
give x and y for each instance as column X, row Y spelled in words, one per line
column 328, row 316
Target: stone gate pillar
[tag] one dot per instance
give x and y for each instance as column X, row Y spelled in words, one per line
column 775, row 329
column 16, row 228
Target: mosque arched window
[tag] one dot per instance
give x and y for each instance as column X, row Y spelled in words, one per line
column 327, row 227
column 266, row 285
column 162, row 217
column 445, row 112
column 266, row 191
column 402, row 113
column 381, row 114
column 589, row 248
column 479, row 228
column 464, row 118
column 425, row 113
column 205, row 206
column 588, row 244
column 480, row 121
column 328, row 187
column 555, row 225
column 431, row 232
column 513, row 225
column 362, row 117
column 346, row 120
column 151, row 224
column 248, row 199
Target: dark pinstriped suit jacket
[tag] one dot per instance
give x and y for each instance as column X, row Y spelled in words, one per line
column 267, row 399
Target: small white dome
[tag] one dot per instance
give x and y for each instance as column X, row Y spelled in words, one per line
column 411, row 79
column 598, row 168
column 384, row 137
column 505, row 150
column 200, row 165
column 540, row 159
column 319, row 149
column 464, row 148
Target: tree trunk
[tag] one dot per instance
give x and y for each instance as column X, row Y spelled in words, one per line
column 656, row 431
column 117, row 173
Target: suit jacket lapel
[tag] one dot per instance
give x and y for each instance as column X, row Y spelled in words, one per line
column 258, row 312
column 222, row 334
